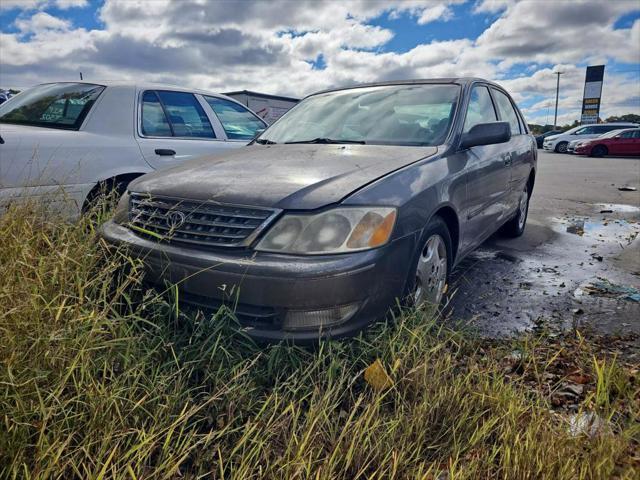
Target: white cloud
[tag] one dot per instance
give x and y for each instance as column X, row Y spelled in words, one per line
column 65, row 4
column 41, row 22
column 39, row 4
column 271, row 46
column 437, row 12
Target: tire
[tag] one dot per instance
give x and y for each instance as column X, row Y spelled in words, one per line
column 561, row 147
column 515, row 227
column 429, row 273
column 599, row 151
column 103, row 195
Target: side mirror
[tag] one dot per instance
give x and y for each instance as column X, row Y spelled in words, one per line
column 486, row 134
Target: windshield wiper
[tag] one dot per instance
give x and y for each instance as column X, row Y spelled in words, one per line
column 265, row 141
column 329, row 140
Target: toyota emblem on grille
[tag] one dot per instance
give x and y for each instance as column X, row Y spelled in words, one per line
column 175, row 219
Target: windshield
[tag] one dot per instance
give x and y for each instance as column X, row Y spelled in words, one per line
column 56, row 105
column 387, row 115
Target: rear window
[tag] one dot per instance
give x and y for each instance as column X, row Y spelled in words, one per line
column 54, row 105
column 238, row 122
column 608, row 128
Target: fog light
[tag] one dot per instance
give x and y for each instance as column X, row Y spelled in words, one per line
column 317, row 319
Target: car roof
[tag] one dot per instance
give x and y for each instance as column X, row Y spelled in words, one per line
column 446, row 80
column 144, row 86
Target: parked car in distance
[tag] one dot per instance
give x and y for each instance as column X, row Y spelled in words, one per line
column 540, row 138
column 65, row 142
column 4, row 96
column 559, row 143
column 353, row 199
column 574, row 143
column 617, row 142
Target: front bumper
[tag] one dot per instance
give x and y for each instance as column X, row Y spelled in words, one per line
column 582, row 150
column 549, row 146
column 263, row 288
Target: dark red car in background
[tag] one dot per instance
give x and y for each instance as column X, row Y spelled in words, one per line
column 618, row 142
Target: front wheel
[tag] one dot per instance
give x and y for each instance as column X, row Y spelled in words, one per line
column 515, row 226
column 562, row 147
column 599, row 151
column 432, row 266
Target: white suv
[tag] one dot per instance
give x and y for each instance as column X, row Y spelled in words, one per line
column 559, row 143
column 63, row 143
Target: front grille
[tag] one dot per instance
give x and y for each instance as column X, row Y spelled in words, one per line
column 196, row 223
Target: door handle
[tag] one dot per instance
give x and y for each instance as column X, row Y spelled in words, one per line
column 166, row 152
column 507, row 159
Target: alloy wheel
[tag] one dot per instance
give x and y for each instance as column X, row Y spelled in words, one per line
column 431, row 274
column 522, row 208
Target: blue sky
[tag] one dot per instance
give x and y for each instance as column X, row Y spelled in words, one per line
column 295, row 48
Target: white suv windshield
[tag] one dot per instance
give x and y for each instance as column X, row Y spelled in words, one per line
column 389, row 115
column 56, row 105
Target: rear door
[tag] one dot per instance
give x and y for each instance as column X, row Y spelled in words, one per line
column 518, row 150
column 173, row 127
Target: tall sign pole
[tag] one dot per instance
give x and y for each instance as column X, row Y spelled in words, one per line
column 555, row 116
column 592, row 94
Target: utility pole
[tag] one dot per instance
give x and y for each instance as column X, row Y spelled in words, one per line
column 80, row 75
column 555, row 117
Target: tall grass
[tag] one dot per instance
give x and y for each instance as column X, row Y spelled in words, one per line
column 96, row 385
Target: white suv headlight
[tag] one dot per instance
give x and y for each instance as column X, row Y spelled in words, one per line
column 345, row 229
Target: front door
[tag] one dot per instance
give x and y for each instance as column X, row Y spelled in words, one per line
column 518, row 151
column 623, row 144
column 488, row 174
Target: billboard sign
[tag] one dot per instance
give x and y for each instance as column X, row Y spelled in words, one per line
column 592, row 94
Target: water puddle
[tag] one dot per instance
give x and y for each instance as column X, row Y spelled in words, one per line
column 616, row 207
column 614, row 230
column 506, row 287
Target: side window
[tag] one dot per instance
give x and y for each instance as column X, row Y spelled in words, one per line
column 636, row 134
column 590, row 131
column 154, row 121
column 629, row 134
column 507, row 113
column 186, row 115
column 238, row 122
column 480, row 108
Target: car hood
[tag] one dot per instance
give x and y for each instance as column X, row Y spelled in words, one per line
column 553, row 137
column 281, row 176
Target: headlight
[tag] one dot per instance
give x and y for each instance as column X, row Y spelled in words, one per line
column 339, row 230
column 121, row 214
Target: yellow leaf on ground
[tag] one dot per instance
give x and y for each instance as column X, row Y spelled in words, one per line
column 376, row 376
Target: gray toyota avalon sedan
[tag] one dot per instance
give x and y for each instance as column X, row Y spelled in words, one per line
column 355, row 199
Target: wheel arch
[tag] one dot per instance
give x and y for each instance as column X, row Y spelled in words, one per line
column 448, row 214
column 531, row 181
column 109, row 182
